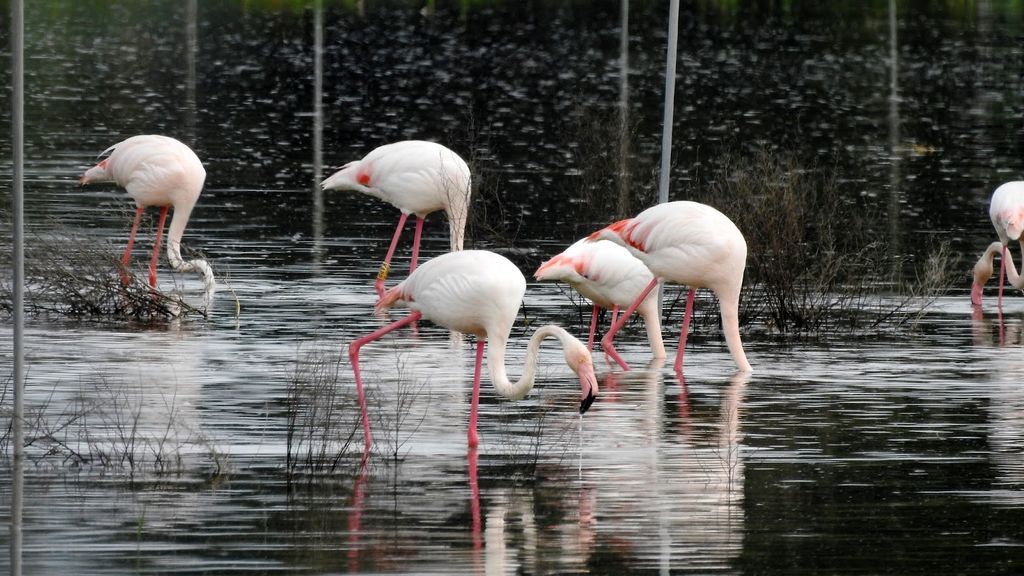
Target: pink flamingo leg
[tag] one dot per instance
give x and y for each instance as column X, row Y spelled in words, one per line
column 606, row 342
column 1002, row 272
column 156, row 247
column 685, row 330
column 131, row 237
column 416, row 244
column 474, row 406
column 382, row 275
column 131, row 243
column 593, row 328
column 353, row 355
column 615, row 313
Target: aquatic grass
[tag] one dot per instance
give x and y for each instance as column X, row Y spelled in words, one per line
column 75, row 276
column 322, row 424
column 393, row 423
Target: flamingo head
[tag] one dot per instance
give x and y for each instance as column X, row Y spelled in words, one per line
column 560, row 267
column 622, row 233
column 97, row 173
column 579, row 359
column 343, row 179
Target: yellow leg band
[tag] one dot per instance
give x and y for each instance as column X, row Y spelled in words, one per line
column 383, row 273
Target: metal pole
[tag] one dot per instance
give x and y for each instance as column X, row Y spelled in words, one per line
column 670, row 96
column 18, row 241
column 894, row 138
column 318, row 132
column 191, row 48
column 624, row 188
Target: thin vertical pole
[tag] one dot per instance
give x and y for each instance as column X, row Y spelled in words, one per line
column 18, row 241
column 894, row 138
column 624, row 113
column 318, row 132
column 670, row 96
column 191, row 48
column 318, row 91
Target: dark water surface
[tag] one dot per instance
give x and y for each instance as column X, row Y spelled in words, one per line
column 167, row 445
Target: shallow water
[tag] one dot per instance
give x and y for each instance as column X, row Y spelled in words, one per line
column 881, row 453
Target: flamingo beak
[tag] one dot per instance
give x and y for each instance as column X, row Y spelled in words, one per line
column 588, row 386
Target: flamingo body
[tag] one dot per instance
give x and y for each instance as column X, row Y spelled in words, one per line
column 692, row 244
column 417, row 177
column 157, row 171
column 610, row 277
column 1006, row 210
column 477, row 292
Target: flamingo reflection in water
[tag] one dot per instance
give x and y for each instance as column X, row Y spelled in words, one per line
column 677, row 497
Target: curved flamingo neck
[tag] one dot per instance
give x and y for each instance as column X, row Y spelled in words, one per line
column 729, row 304
column 457, row 226
column 174, row 234
column 648, row 310
column 1012, row 276
column 458, row 213
column 496, row 360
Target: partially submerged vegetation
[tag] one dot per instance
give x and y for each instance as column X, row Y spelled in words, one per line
column 83, row 278
column 816, row 260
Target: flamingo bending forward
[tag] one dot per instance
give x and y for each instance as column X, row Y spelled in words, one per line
column 983, row 268
column 1007, row 213
column 417, row 177
column 157, row 171
column 610, row 277
column 692, row 244
column 476, row 292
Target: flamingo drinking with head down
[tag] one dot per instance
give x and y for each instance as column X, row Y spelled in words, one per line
column 416, row 177
column 476, row 292
column 1007, row 213
column 157, row 171
column 691, row 244
column 610, row 277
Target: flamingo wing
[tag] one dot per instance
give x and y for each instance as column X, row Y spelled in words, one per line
column 472, row 291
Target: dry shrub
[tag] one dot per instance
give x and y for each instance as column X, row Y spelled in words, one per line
column 80, row 277
column 323, row 421
column 816, row 259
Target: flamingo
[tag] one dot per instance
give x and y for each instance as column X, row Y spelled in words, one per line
column 1007, row 213
column 416, row 177
column 157, row 171
column 610, row 277
column 476, row 292
column 692, row 244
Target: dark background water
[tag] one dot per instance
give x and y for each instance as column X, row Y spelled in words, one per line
column 891, row 453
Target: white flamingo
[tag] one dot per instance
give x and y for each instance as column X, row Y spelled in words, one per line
column 476, row 292
column 417, row 177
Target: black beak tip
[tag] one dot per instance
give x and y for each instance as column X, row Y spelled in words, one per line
column 586, row 402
